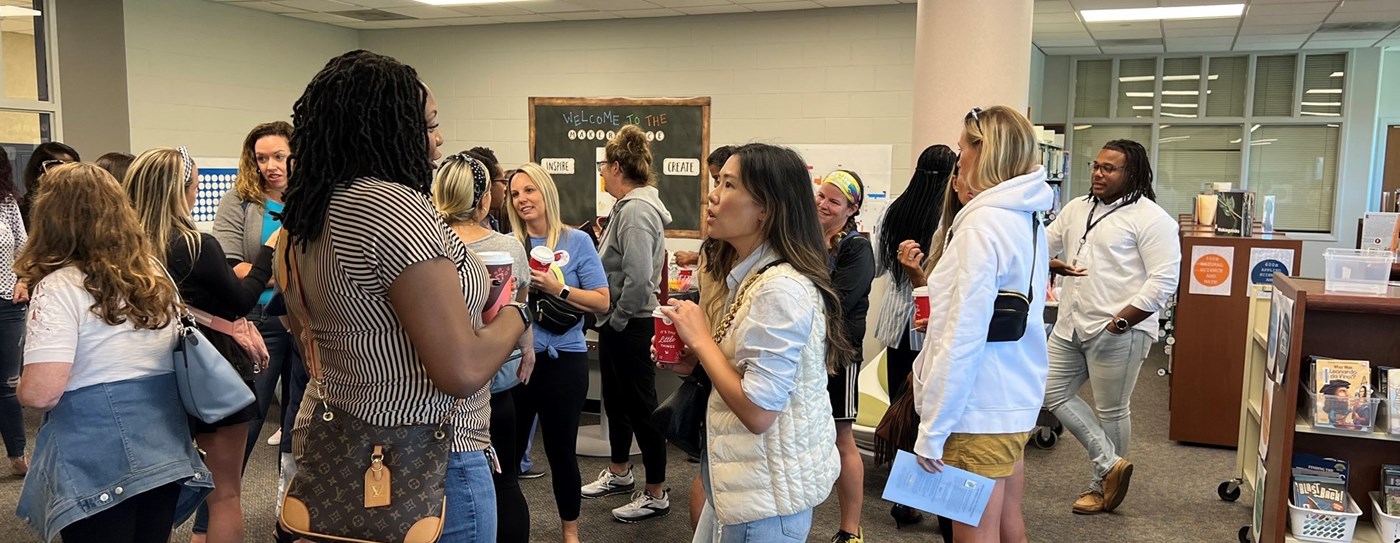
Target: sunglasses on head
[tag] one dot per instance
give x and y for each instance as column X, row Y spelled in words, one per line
column 46, row 165
column 972, row 116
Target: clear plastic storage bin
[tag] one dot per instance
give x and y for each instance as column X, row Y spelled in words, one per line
column 1358, row 271
column 1358, row 414
column 1388, row 526
column 1324, row 526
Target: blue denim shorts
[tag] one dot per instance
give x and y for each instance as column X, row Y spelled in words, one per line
column 471, row 499
column 780, row 529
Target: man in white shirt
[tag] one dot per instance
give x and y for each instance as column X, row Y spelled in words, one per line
column 1120, row 257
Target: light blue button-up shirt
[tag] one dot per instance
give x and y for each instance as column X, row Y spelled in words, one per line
column 769, row 340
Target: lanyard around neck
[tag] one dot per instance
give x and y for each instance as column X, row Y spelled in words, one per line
column 1090, row 223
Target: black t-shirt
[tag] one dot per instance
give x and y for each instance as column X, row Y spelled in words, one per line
column 852, row 273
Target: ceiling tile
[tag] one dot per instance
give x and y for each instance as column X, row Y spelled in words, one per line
column 1269, row 43
column 1338, row 44
column 1288, row 19
column 1113, row 4
column 1048, row 28
column 529, row 18
column 1066, row 17
column 539, row 6
column 1062, row 40
column 1367, row 5
column 855, row 3
column 690, row 3
column 647, row 13
column 268, row 6
column 1362, row 17
column 1202, row 23
column 415, row 23
column 1126, row 34
column 1199, row 45
column 425, row 12
column 1256, row 9
column 324, row 18
column 711, row 10
column 1263, row 2
column 1052, row 6
column 1133, row 49
column 583, row 16
column 1071, row 50
column 317, row 5
column 782, row 6
column 1373, row 36
column 380, row 4
column 1265, row 30
column 613, row 5
column 1200, row 33
column 493, row 10
column 464, row 21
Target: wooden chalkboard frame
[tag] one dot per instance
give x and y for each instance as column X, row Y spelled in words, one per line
column 703, row 102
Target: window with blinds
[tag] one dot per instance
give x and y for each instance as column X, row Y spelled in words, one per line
column 1225, row 87
column 1093, row 86
column 1089, row 139
column 1181, row 88
column 1273, row 85
column 1323, row 77
column 1137, row 80
column 1192, row 156
column 1298, row 166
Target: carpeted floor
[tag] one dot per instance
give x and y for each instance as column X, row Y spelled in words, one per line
column 1173, row 497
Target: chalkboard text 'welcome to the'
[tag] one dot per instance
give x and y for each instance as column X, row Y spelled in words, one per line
column 612, row 118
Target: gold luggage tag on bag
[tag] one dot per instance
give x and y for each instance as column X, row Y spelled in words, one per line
column 377, row 480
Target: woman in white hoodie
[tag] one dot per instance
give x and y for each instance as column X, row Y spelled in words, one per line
column 977, row 399
column 770, row 439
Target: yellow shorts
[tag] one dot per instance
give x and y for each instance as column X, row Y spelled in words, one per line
column 988, row 455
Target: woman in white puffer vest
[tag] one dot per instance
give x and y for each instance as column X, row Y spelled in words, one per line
column 770, row 438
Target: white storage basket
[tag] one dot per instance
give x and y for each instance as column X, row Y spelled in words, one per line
column 1323, row 526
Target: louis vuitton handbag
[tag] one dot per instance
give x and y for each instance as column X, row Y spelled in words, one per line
column 356, row 481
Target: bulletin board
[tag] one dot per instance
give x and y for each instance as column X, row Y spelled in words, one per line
column 567, row 137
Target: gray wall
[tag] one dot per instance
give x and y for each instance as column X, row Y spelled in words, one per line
column 92, row 79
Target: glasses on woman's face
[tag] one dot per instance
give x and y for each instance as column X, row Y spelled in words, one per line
column 46, row 165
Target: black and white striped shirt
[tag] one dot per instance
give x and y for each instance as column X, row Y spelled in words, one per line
column 373, row 231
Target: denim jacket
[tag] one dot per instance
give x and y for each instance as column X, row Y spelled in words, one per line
column 107, row 442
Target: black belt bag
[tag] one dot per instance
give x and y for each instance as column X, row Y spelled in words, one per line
column 1011, row 309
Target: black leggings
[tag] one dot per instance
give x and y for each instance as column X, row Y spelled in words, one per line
column 556, row 393
column 899, row 362
column 142, row 518
column 512, row 513
column 629, row 395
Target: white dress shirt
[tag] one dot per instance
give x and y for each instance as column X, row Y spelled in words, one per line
column 1132, row 257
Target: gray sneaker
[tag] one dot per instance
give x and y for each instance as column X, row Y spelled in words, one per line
column 644, row 506
column 609, row 484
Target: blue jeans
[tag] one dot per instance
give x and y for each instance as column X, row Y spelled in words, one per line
column 11, row 360
column 525, row 462
column 1110, row 363
column 471, row 499
column 785, row 528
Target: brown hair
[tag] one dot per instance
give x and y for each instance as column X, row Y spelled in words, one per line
column 630, row 150
column 115, row 162
column 249, row 185
column 81, row 218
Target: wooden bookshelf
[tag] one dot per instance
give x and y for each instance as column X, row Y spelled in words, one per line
column 1334, row 325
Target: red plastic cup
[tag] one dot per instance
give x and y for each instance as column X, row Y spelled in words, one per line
column 921, row 310
column 665, row 340
column 540, row 258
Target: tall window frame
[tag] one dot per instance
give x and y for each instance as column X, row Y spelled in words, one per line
column 46, row 107
column 1247, row 121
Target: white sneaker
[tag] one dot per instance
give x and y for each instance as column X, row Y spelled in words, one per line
column 644, row 506
column 608, row 484
column 275, row 439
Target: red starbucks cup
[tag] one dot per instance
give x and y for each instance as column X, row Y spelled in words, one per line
column 921, row 309
column 666, row 341
column 540, row 258
column 498, row 265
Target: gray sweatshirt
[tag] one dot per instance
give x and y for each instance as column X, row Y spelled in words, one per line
column 633, row 250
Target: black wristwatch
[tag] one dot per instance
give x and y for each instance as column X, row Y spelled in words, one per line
column 524, row 313
column 564, row 293
column 1122, row 325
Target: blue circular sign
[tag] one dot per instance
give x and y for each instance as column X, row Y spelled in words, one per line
column 1263, row 272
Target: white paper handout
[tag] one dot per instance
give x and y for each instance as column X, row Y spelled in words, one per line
column 956, row 494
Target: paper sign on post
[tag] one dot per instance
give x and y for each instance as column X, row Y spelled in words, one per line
column 558, row 166
column 1211, row 270
column 955, row 494
column 1263, row 262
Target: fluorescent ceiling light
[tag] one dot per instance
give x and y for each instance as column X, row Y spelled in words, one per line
column 1166, row 126
column 1138, row 94
column 1219, row 11
column 1082, row 126
column 1173, row 138
column 1333, row 125
column 1337, row 74
column 1142, row 107
column 1212, row 77
column 1173, row 104
column 1181, row 93
column 1235, row 141
column 16, row 11
column 1180, row 115
column 1322, row 104
column 1263, row 141
column 1319, row 114
column 1324, row 91
column 1136, row 78
column 1253, row 128
column 462, row 2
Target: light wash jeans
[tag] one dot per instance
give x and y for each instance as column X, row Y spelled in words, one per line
column 781, row 529
column 471, row 499
column 1110, row 363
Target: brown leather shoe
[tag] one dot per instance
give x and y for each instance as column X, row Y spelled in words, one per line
column 1115, row 484
column 1089, row 503
column 19, row 466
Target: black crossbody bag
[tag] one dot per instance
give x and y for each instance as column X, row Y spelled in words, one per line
column 1012, row 309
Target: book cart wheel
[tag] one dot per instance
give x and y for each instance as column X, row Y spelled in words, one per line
column 1229, row 490
column 1161, row 372
column 1244, row 534
column 1045, row 437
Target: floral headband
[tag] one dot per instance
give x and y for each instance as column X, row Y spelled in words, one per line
column 847, row 183
column 188, row 163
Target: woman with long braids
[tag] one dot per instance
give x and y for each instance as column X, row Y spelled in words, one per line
column 377, row 262
column 852, row 271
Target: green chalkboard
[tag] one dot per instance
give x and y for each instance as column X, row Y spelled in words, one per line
column 567, row 136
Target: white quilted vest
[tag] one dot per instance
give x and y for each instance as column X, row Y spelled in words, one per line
column 791, row 467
